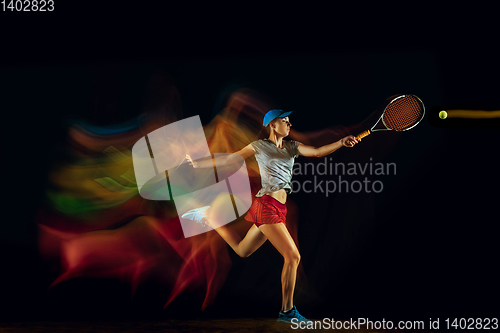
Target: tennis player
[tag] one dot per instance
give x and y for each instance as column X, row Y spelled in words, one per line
column 275, row 158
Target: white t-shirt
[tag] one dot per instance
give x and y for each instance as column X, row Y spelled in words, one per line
column 275, row 164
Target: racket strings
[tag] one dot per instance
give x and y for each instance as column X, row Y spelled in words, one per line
column 403, row 113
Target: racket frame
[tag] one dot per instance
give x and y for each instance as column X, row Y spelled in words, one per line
column 373, row 129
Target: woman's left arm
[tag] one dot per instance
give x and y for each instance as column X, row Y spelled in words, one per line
column 310, row 151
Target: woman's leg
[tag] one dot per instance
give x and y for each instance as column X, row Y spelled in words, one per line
column 281, row 239
column 243, row 247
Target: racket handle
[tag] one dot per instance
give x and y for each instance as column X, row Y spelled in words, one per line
column 363, row 134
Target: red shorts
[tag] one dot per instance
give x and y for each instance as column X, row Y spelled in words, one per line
column 266, row 210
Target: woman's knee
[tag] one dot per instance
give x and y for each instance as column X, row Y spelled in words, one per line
column 292, row 257
column 243, row 253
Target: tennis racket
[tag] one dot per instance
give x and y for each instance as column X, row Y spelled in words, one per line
column 401, row 113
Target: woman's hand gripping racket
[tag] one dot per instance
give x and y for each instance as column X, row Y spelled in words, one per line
column 401, row 113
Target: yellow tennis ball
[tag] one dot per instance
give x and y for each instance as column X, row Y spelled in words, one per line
column 443, row 114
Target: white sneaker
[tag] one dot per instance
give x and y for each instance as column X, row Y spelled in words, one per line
column 198, row 215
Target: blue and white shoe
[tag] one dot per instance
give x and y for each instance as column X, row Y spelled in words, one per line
column 292, row 314
column 198, row 215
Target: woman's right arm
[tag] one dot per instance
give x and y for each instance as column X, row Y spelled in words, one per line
column 222, row 160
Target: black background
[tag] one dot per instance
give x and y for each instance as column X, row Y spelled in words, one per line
column 424, row 247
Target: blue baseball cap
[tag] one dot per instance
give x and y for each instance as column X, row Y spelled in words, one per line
column 273, row 114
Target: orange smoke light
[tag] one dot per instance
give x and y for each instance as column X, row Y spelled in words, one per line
column 473, row 114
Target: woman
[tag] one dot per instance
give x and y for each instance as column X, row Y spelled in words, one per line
column 275, row 158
